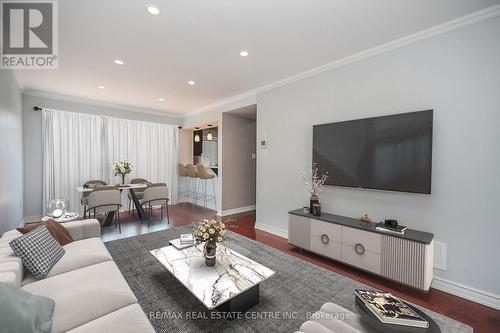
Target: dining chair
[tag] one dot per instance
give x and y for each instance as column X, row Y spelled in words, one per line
column 104, row 200
column 85, row 195
column 156, row 194
column 139, row 192
column 204, row 176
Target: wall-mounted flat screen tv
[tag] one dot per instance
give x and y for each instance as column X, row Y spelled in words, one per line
column 391, row 153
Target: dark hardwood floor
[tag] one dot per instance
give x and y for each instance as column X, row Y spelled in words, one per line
column 479, row 317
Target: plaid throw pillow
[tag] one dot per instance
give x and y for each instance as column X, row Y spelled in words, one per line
column 38, row 250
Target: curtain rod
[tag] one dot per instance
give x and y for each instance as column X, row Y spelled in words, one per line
column 37, row 108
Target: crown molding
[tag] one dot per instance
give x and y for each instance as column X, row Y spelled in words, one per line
column 448, row 26
column 251, row 95
column 66, row 98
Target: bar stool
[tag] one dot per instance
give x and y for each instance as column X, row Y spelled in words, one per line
column 192, row 174
column 204, row 176
column 183, row 175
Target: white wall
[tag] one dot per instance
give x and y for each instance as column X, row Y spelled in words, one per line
column 185, row 146
column 238, row 167
column 11, row 158
column 458, row 75
column 32, row 124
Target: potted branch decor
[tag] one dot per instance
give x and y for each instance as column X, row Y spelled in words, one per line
column 211, row 232
column 122, row 168
column 315, row 185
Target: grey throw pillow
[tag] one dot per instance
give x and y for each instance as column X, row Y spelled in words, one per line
column 38, row 250
column 21, row 311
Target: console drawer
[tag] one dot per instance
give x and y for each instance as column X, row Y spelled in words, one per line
column 368, row 260
column 333, row 231
column 331, row 249
column 370, row 240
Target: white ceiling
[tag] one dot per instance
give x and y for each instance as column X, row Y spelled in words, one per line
column 201, row 41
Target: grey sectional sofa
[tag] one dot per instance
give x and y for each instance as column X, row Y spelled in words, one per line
column 89, row 291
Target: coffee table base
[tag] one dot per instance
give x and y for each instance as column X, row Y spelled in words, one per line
column 242, row 302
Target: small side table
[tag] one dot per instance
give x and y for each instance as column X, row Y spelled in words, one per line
column 63, row 219
column 379, row 326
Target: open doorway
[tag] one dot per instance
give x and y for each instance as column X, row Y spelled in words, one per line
column 239, row 164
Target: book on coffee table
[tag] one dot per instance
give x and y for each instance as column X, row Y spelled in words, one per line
column 187, row 239
column 179, row 246
column 390, row 309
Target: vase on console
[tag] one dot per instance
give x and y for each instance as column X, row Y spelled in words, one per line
column 313, row 200
column 314, row 186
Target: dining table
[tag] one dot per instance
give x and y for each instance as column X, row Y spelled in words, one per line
column 143, row 215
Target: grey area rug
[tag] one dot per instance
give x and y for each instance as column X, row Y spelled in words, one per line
column 297, row 288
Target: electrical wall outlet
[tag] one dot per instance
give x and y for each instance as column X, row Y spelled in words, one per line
column 440, row 255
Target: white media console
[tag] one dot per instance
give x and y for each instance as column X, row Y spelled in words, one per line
column 406, row 258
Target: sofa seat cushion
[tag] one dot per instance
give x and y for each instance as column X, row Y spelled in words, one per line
column 84, row 294
column 130, row 319
column 82, row 253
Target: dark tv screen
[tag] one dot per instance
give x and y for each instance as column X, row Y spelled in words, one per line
column 391, row 153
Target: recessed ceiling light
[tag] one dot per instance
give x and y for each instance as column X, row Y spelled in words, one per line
column 161, row 99
column 153, row 9
column 244, row 53
column 119, row 62
column 191, row 83
column 100, row 87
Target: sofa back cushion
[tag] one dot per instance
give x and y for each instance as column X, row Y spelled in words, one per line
column 11, row 267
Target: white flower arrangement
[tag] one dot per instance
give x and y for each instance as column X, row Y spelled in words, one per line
column 122, row 167
column 210, row 231
column 317, row 182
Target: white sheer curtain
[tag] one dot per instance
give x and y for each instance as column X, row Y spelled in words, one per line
column 151, row 147
column 73, row 151
column 78, row 147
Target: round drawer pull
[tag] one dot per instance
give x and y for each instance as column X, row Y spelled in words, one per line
column 359, row 248
column 325, row 239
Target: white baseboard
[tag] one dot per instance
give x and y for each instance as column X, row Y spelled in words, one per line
column 272, row 230
column 450, row 287
column 236, row 210
column 469, row 293
column 32, row 219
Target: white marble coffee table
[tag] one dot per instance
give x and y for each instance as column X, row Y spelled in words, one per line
column 232, row 285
